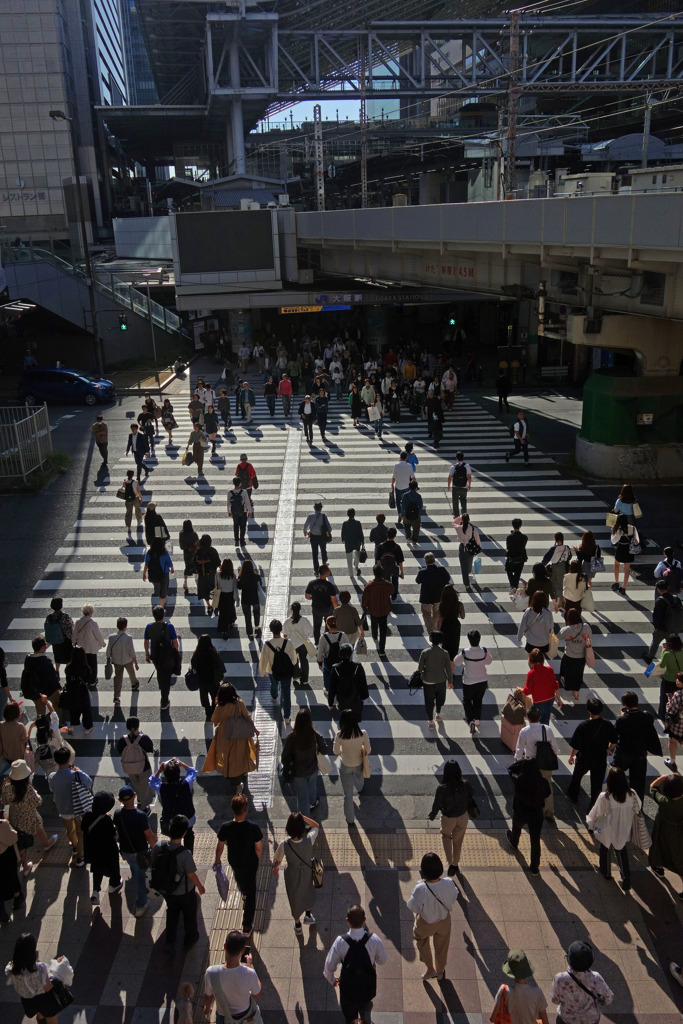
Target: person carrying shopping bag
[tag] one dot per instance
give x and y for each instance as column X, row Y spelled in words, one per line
column 611, row 821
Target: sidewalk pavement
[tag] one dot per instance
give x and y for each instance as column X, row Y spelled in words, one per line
column 123, row 976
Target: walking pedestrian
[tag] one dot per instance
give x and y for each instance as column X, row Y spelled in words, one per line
column 670, row 569
column 317, row 529
column 39, row 679
column 196, row 409
column 347, row 618
column 515, row 546
column 352, row 745
column 226, row 585
column 588, row 555
column 299, row 630
column 158, row 565
column 378, row 534
column 244, row 842
column 75, row 697
column 355, row 404
column 62, row 783
column 390, row 560
column 368, row 394
column 611, row 820
column 660, row 614
column 522, row 1001
column 541, row 582
column 148, row 425
column 175, row 794
column 626, row 504
column 22, row 801
column 249, row 585
column 452, row 798
column 240, row 509
column 531, row 793
column 100, row 432
column 13, row 737
column 168, row 420
column 297, row 850
column 520, row 436
column 527, row 743
column 591, row 742
column 100, row 850
column 135, row 838
column 358, row 951
column 134, row 749
column 279, row 660
column 449, row 612
column 233, row 983
column 413, row 508
column 403, row 473
column 353, row 540
column 211, row 426
column 537, row 624
column 459, row 483
column 188, row 541
column 155, row 527
column 376, row 601
column 57, row 629
column 673, row 721
column 247, row 401
column 329, row 647
column 200, row 442
column 207, row 562
column 210, row 670
column 224, row 410
column 666, row 851
column 132, row 495
column 432, row 579
column 300, row 760
column 161, row 650
column 307, row 412
column 503, row 389
column 270, row 390
column 322, row 403
column 574, row 586
column 577, row 636
column 171, row 860
column 624, row 539
column 347, row 684
column 87, row 634
column 469, row 546
column 431, row 901
column 636, row 738
column 475, row 679
column 138, row 445
column 435, row 419
column 556, row 561
column 233, row 752
column 579, row 991
column 436, row 674
column 285, row 389
column 30, row 979
column 541, row 685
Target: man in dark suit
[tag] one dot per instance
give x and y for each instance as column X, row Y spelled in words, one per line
column 139, row 446
column 636, row 738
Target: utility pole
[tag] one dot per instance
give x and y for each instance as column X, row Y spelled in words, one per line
column 318, row 165
column 646, row 130
column 513, row 102
column 363, row 135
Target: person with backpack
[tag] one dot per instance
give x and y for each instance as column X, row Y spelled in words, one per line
column 244, row 840
column 121, row 655
column 390, row 559
column 131, row 494
column 233, row 983
column 353, row 540
column 348, row 684
column 39, row 677
column 173, row 874
column 157, row 566
column 247, row 476
column 459, row 483
column 88, row 635
column 475, row 679
column 233, row 751
column 49, row 737
column 279, row 658
column 528, row 741
column 136, row 839
column 240, row 509
column 209, row 668
column 133, row 749
column 100, row 850
column 58, row 630
column 300, row 760
column 431, row 901
column 297, row 850
column 670, row 569
column 413, row 507
column 358, row 952
column 155, row 525
column 531, row 793
column 161, row 650
column 591, row 742
column 175, row 794
column 329, row 646
column 436, row 673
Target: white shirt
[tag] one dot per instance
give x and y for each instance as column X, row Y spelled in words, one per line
column 374, row 946
column 424, row 901
column 468, row 469
column 86, row 634
column 403, row 474
column 529, row 737
column 520, row 429
column 474, row 660
column 235, row 984
column 298, row 632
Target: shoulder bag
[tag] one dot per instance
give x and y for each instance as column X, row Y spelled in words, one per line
column 587, row 601
column 553, row 644
column 238, row 728
column 317, row 869
column 81, row 796
column 640, row 837
column 503, row 1015
column 253, row 1013
column 589, row 652
column 595, row 996
column 546, row 758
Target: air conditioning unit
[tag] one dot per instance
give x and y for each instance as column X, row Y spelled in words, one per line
column 283, row 199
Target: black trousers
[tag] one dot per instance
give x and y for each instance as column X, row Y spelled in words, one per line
column 92, row 665
column 164, row 680
column 303, row 664
column 239, row 527
column 466, row 560
column 532, row 817
column 636, row 771
column 378, row 625
column 187, row 907
column 472, row 697
column 352, row 1009
column 207, row 695
column 622, row 863
column 318, row 545
column 513, row 568
column 246, row 883
column 583, row 766
column 308, row 429
column 319, row 615
column 103, row 449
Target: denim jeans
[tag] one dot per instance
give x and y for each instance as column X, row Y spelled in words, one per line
column 545, row 707
column 306, row 789
column 399, row 492
column 351, row 778
column 285, row 694
column 270, row 402
column 138, row 875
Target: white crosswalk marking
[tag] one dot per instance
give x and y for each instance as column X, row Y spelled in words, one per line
column 97, row 563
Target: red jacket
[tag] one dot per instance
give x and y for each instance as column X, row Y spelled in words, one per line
column 285, row 387
column 541, row 683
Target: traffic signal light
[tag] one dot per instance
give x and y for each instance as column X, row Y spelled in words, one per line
column 452, row 321
column 123, row 322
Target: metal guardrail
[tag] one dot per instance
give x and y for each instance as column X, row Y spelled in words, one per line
column 25, row 441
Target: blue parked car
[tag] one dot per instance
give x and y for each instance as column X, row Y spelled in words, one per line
column 62, row 384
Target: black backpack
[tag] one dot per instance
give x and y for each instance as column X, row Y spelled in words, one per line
column 30, row 683
column 165, row 656
column 411, row 509
column 236, row 503
column 358, row 976
column 673, row 617
column 332, row 656
column 282, row 663
column 154, row 571
column 460, row 475
column 165, row 875
column 242, row 472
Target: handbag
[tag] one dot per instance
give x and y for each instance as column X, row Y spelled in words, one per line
column 587, row 601
column 634, row 547
column 503, row 1015
column 640, row 837
column 611, row 519
column 61, row 970
column 553, row 645
column 365, row 761
column 514, row 710
column 415, row 682
column 361, row 646
column 520, row 600
column 222, row 883
column 589, row 653
column 215, row 597
column 121, row 493
column 317, row 869
column 324, row 764
column 471, row 547
column 108, row 669
column 392, row 498
column 546, row 758
column 363, row 556
column 81, row 796
column 192, row 679
column 597, row 564
column 637, row 511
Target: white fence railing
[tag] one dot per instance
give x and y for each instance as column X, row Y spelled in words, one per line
column 25, row 441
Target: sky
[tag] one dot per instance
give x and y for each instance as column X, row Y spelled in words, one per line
column 304, row 111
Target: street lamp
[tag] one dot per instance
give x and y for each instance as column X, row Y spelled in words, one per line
column 59, row 115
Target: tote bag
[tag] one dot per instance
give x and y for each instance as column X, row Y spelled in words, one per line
column 588, row 601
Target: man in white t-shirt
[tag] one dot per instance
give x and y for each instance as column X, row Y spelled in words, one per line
column 527, row 741
column 400, row 481
column 357, row 988
column 231, row 984
column 521, row 439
